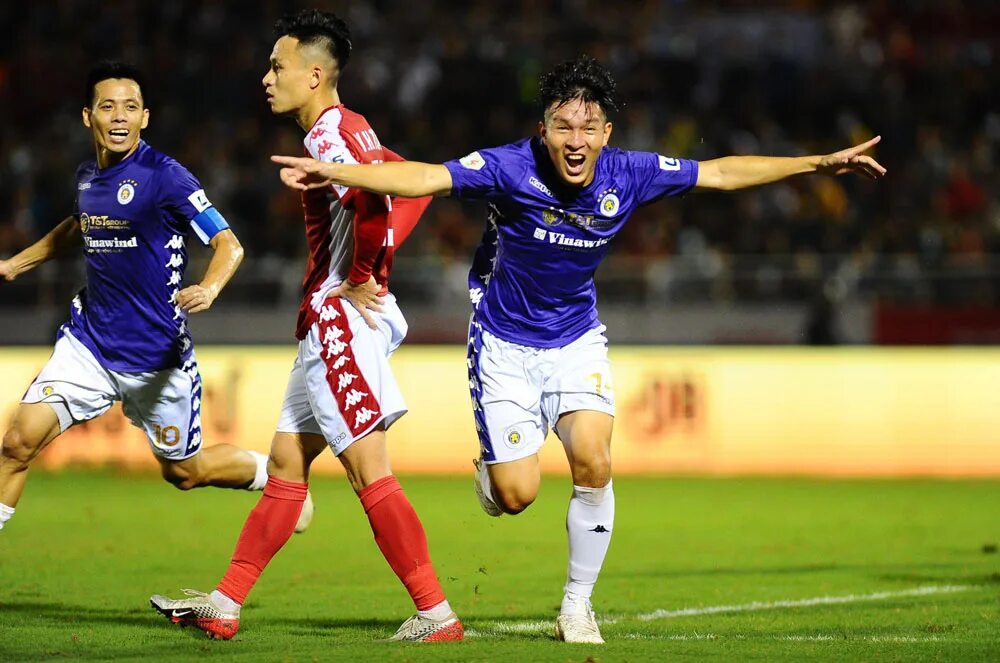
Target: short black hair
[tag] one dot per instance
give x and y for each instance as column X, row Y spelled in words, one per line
column 316, row 27
column 106, row 69
column 584, row 78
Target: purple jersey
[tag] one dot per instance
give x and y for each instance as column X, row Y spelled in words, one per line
column 532, row 278
column 135, row 218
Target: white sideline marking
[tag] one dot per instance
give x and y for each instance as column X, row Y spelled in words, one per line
column 799, row 603
column 821, row 637
column 505, row 628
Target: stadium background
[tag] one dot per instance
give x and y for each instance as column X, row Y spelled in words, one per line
column 811, row 262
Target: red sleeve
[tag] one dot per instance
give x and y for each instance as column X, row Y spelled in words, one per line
column 405, row 211
column 405, row 214
column 371, row 223
column 390, row 155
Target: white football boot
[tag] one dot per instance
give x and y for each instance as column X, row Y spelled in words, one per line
column 424, row 629
column 579, row 625
column 481, row 482
column 199, row 611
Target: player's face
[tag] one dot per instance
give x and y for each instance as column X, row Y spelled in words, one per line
column 290, row 81
column 575, row 133
column 116, row 117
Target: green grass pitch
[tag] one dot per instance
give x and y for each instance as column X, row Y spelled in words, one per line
column 700, row 568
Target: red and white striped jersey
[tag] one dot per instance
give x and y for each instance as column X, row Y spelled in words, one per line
column 348, row 231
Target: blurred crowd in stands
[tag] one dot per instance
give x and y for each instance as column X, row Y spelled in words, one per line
column 437, row 79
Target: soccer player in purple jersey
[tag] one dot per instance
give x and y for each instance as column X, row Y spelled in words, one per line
column 127, row 338
column 537, row 350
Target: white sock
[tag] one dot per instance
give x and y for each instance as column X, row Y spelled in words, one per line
column 5, row 514
column 223, row 602
column 589, row 523
column 260, row 478
column 438, row 612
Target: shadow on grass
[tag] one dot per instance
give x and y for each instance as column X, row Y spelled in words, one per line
column 943, row 578
column 65, row 613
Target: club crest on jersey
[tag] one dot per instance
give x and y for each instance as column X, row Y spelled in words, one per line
column 609, row 203
column 48, row 390
column 126, row 191
column 473, row 161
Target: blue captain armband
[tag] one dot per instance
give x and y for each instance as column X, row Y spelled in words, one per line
column 208, row 224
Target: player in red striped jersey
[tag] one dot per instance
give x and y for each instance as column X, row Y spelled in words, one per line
column 341, row 392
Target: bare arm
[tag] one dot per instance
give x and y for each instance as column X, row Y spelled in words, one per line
column 56, row 242
column 730, row 173
column 409, row 179
column 227, row 257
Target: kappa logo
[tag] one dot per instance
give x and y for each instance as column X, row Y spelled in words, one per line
column 345, row 380
column 332, row 334
column 328, row 313
column 126, row 191
column 83, row 186
column 473, row 161
column 535, row 182
column 176, row 243
column 600, row 530
column 335, row 348
column 337, row 365
column 354, row 397
column 176, row 260
column 363, row 416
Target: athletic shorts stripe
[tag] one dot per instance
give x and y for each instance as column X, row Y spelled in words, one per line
column 347, row 383
column 475, row 346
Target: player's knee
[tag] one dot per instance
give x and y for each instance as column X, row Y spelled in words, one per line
column 18, row 447
column 179, row 476
column 593, row 471
column 514, row 499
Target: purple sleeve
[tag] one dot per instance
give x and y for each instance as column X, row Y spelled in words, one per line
column 182, row 194
column 482, row 174
column 657, row 176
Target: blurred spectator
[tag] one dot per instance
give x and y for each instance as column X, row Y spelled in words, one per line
column 698, row 79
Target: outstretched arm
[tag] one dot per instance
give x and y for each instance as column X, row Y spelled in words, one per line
column 57, row 241
column 227, row 257
column 409, row 179
column 730, row 173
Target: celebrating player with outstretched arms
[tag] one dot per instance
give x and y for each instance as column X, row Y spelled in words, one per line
column 127, row 338
column 537, row 349
column 341, row 392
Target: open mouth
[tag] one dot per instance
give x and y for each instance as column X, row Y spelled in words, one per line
column 118, row 136
column 574, row 163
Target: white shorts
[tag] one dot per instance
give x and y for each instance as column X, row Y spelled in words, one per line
column 166, row 404
column 519, row 392
column 341, row 386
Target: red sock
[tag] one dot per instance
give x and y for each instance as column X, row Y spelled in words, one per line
column 268, row 527
column 402, row 540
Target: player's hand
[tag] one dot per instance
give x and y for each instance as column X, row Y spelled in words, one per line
column 196, row 298
column 303, row 173
column 852, row 160
column 363, row 297
column 7, row 270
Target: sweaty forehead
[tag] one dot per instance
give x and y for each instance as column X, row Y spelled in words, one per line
column 575, row 111
column 117, row 88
